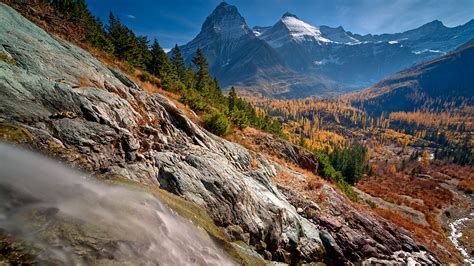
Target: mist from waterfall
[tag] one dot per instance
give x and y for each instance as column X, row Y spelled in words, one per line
column 68, row 217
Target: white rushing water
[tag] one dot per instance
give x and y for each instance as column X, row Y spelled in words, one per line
column 456, row 228
column 76, row 212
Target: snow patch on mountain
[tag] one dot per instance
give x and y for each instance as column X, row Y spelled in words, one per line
column 338, row 35
column 302, row 31
column 257, row 30
column 429, row 51
column 325, row 61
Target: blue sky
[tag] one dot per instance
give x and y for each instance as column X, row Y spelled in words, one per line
column 178, row 21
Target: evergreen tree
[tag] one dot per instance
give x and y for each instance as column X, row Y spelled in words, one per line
column 232, row 99
column 98, row 38
column 161, row 66
column 157, row 59
column 202, row 73
column 178, row 62
column 119, row 35
column 126, row 45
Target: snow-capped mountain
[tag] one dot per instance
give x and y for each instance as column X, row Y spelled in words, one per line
column 433, row 37
column 291, row 29
column 293, row 58
column 338, row 35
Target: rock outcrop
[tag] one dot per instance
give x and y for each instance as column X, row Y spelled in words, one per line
column 97, row 118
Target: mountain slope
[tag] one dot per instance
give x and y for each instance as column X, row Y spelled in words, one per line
column 448, row 79
column 58, row 98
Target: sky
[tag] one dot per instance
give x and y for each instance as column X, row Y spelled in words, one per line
column 179, row 21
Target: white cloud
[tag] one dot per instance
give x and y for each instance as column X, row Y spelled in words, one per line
column 131, row 16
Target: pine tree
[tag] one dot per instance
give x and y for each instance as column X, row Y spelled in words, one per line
column 202, row 73
column 232, row 99
column 127, row 46
column 178, row 62
column 156, row 57
column 160, row 65
column 98, row 38
column 119, row 35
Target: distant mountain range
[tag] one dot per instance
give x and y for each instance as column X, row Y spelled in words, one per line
column 439, row 84
column 293, row 59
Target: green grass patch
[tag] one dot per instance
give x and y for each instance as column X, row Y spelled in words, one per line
column 371, row 204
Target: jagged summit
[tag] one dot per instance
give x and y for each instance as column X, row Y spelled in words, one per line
column 435, row 24
column 223, row 4
column 233, row 51
column 226, row 22
column 292, row 29
column 225, row 7
column 288, row 14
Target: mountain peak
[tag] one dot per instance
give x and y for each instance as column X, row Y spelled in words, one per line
column 224, row 7
column 288, row 14
column 223, row 4
column 302, row 31
column 434, row 23
column 226, row 21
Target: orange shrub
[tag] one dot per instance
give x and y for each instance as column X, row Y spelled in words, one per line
column 314, row 183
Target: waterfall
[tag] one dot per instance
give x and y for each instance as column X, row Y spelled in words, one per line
column 68, row 217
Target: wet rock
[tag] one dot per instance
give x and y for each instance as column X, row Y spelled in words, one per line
column 236, row 232
column 334, row 254
column 260, row 246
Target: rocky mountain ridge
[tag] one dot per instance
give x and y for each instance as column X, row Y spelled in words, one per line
column 60, row 99
column 301, row 60
column 444, row 81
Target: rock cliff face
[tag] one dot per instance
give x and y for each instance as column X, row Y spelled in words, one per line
column 66, row 102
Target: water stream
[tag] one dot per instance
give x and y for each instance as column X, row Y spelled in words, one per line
column 456, row 228
column 72, row 219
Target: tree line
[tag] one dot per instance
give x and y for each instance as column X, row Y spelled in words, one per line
column 193, row 83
